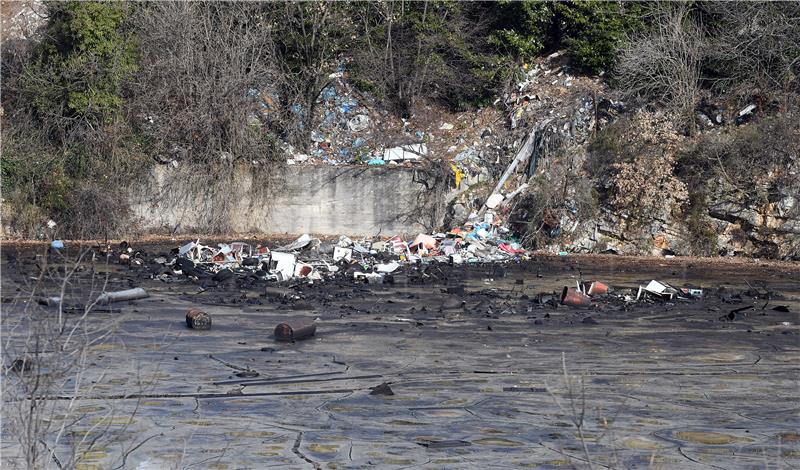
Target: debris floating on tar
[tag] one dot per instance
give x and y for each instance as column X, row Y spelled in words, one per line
column 382, row 389
column 593, row 288
column 122, row 295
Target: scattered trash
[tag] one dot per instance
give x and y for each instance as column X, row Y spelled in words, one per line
column 692, row 292
column 340, row 253
column 358, row 123
column 281, row 293
column 198, row 319
column 658, row 290
column 374, row 259
column 494, row 201
column 369, row 278
column 295, row 329
column 387, row 267
column 57, row 244
column 282, row 264
column 736, row 314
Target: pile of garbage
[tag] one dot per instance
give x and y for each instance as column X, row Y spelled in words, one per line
column 348, row 129
column 368, row 260
column 585, row 291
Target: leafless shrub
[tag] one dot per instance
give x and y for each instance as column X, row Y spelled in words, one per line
column 754, row 47
column 49, row 369
column 201, row 69
column 664, row 63
column 311, row 36
column 428, row 206
column 94, row 210
column 755, row 163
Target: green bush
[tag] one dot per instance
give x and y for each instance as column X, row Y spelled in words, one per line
column 79, row 69
column 592, row 31
column 520, row 28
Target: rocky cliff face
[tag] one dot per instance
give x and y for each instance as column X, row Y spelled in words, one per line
column 607, row 177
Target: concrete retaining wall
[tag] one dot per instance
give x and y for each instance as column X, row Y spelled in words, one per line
column 324, row 200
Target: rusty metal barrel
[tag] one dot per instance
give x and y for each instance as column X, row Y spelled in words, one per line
column 575, row 298
column 596, row 288
column 295, row 329
column 198, row 319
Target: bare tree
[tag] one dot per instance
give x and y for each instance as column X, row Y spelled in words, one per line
column 664, row 63
column 408, row 50
column 201, row 71
column 754, row 46
column 310, row 39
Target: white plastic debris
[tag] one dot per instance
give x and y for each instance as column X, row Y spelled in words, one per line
column 405, row 152
column 387, row 267
column 658, row 289
column 358, row 123
column 302, row 241
column 118, row 296
column 282, row 264
column 494, row 200
column 747, row 110
column 187, row 247
column 371, row 278
column 340, row 253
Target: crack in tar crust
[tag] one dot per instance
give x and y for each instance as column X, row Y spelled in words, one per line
column 296, row 450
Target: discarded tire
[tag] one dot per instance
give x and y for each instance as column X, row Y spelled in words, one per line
column 296, row 329
column 198, row 319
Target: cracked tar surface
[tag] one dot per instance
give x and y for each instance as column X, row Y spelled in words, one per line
column 477, row 374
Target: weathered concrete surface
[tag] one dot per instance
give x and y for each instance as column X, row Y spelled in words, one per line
column 665, row 385
column 326, row 200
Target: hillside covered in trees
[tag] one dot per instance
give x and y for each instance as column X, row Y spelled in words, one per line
column 700, row 143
